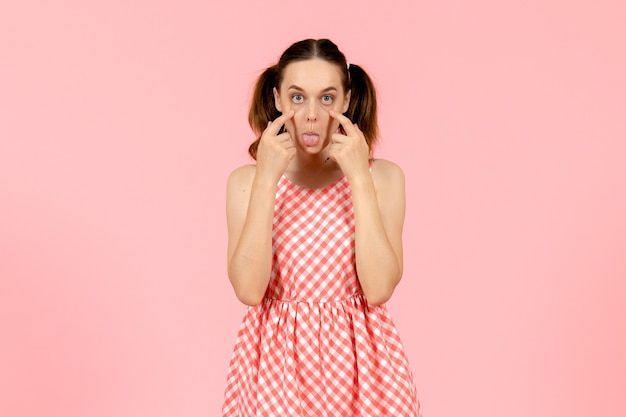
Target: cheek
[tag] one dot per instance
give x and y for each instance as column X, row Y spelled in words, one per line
column 299, row 117
column 290, row 127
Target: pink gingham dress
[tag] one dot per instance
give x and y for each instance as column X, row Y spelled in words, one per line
column 313, row 346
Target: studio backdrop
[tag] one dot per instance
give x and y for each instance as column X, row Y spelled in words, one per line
column 121, row 120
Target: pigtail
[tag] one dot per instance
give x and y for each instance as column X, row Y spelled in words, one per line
column 363, row 107
column 262, row 108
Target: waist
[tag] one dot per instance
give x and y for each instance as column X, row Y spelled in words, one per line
column 349, row 298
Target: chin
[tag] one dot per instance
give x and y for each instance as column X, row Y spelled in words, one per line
column 312, row 150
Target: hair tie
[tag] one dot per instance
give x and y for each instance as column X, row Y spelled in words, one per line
column 348, row 66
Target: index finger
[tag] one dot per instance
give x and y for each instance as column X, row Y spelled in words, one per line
column 347, row 124
column 278, row 122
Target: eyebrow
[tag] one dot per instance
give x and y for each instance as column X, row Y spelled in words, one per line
column 295, row 87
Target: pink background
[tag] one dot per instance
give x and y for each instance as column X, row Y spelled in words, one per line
column 120, row 121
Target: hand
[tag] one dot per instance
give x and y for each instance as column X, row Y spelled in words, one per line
column 275, row 150
column 349, row 150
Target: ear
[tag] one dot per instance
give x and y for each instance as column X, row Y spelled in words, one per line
column 277, row 100
column 347, row 102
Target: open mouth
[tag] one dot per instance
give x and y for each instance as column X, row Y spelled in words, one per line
column 310, row 138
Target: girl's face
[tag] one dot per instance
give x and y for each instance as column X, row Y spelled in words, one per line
column 311, row 88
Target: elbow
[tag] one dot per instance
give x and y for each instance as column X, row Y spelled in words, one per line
column 251, row 300
column 249, row 287
column 382, row 292
column 378, row 298
column 248, row 296
column 376, row 302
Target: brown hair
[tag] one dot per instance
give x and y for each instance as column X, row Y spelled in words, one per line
column 362, row 107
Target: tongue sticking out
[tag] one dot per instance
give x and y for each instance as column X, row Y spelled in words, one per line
column 310, row 139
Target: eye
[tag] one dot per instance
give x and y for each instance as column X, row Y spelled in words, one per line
column 297, row 98
column 327, row 99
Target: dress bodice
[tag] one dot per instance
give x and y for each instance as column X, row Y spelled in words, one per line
column 313, row 241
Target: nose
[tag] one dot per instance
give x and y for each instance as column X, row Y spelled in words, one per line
column 311, row 114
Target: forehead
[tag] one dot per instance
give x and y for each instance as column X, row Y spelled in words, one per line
column 312, row 74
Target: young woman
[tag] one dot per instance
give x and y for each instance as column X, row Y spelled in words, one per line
column 315, row 248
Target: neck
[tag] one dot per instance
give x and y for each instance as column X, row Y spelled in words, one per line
column 319, row 162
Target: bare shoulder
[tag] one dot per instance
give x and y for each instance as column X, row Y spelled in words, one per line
column 241, row 178
column 387, row 174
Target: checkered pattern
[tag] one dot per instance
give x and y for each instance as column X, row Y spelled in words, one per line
column 314, row 347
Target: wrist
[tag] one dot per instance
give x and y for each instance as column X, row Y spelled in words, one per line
column 360, row 180
column 265, row 182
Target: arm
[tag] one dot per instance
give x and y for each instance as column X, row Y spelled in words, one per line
column 379, row 209
column 379, row 203
column 249, row 214
column 250, row 198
